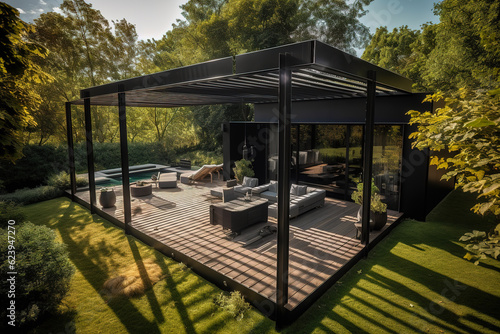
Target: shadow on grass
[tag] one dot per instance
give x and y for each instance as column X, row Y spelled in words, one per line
column 150, row 294
column 176, row 296
column 88, row 261
column 406, row 268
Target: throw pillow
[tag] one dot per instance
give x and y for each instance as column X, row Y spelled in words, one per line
column 246, row 181
column 273, row 187
column 294, row 189
column 301, row 190
column 253, row 182
column 228, row 195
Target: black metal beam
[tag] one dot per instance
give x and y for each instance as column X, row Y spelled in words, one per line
column 122, row 114
column 284, row 129
column 90, row 153
column 201, row 71
column 367, row 157
column 71, row 150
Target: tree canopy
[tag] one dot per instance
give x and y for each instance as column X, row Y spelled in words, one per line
column 18, row 74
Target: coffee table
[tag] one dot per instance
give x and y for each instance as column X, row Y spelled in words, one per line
column 239, row 214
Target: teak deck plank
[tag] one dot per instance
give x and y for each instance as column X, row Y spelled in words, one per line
column 321, row 241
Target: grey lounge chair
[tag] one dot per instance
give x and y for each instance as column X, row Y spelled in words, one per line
column 204, row 171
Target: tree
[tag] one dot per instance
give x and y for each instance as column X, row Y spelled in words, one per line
column 466, row 52
column 85, row 51
column 18, row 73
column 468, row 125
column 333, row 22
column 401, row 51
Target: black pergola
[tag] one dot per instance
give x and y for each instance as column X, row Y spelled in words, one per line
column 302, row 71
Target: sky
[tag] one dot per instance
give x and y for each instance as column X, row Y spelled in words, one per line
column 153, row 18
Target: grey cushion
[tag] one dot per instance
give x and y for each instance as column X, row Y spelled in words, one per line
column 228, row 195
column 270, row 195
column 273, row 186
column 294, row 189
column 250, row 182
column 242, row 189
column 301, row 190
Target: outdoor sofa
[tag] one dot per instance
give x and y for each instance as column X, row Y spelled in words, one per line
column 302, row 198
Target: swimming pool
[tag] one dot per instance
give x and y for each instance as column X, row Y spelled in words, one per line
column 117, row 180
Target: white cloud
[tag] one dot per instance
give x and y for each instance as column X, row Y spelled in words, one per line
column 32, row 12
column 41, row 10
column 21, row 11
column 57, row 10
column 42, row 2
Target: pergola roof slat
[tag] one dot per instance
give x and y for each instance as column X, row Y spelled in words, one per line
column 319, row 72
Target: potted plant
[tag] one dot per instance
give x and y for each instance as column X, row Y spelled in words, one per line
column 378, row 209
column 107, row 197
column 243, row 168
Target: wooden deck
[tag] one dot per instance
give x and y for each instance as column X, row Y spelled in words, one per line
column 321, row 241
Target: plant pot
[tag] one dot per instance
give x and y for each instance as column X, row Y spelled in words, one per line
column 107, row 199
column 377, row 219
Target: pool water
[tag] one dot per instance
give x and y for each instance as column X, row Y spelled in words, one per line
column 116, row 181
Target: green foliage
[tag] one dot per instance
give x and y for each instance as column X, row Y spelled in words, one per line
column 235, row 304
column 376, row 204
column 11, row 211
column 41, row 162
column 33, row 169
column 202, row 157
column 243, row 168
column 35, row 195
column 18, row 73
column 62, row 181
column 480, row 244
column 460, row 51
column 44, row 271
column 468, row 126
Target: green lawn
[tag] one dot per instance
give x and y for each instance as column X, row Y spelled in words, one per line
column 181, row 303
column 414, row 281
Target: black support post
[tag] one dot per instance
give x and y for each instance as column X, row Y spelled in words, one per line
column 367, row 157
column 297, row 156
column 90, row 153
column 284, row 129
column 122, row 114
column 347, row 157
column 71, row 150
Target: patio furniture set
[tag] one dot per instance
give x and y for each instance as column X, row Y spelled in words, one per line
column 243, row 204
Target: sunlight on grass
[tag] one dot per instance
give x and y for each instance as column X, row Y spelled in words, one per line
column 181, row 302
column 414, row 281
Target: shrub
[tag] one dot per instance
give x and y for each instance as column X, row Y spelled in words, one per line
column 10, row 211
column 235, row 304
column 43, row 269
column 33, row 168
column 29, row 196
column 63, row 181
column 243, row 168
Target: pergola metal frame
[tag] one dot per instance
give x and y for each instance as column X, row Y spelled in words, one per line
column 302, row 71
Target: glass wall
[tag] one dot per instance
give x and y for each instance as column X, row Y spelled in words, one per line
column 330, row 156
column 387, row 154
